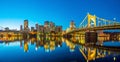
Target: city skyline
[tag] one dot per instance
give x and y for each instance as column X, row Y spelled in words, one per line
column 37, row 11
column 59, row 30
column 22, row 26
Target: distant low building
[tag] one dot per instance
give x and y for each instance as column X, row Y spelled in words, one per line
column 6, row 29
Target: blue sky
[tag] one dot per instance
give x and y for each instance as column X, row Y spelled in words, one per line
column 14, row 12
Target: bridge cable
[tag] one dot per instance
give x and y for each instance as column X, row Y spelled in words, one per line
column 83, row 21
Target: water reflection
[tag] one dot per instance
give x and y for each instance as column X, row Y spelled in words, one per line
column 49, row 43
column 90, row 52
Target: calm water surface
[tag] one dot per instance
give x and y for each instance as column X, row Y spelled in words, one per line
column 56, row 50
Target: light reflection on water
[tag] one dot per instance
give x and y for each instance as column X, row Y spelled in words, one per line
column 56, row 49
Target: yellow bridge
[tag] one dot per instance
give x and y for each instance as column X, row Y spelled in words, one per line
column 94, row 23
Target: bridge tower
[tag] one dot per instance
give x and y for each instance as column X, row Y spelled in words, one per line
column 91, row 36
column 72, row 25
column 91, row 18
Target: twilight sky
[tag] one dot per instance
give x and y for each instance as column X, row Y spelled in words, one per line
column 61, row 12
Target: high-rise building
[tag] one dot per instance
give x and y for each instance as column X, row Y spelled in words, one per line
column 72, row 25
column 46, row 24
column 32, row 28
column 37, row 26
column 46, row 27
column 26, row 25
column 58, row 29
column 41, row 28
column 52, row 26
column 21, row 28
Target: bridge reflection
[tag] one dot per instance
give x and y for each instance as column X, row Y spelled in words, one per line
column 90, row 52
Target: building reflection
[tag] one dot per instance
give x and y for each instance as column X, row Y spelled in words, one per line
column 26, row 45
column 10, row 38
column 70, row 45
column 89, row 52
column 49, row 43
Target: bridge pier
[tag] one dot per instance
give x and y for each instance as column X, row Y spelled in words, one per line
column 91, row 37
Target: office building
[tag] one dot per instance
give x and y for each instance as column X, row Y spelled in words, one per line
column 26, row 25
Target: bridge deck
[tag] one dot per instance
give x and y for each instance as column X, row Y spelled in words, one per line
column 108, row 27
